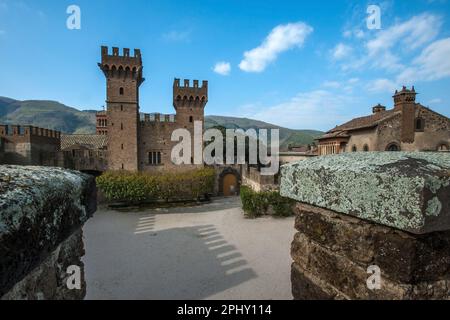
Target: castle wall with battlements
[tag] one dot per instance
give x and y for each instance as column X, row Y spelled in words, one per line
column 29, row 145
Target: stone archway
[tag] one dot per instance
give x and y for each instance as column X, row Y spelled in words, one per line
column 229, row 182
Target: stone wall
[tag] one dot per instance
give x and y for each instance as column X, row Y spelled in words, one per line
column 357, row 212
column 42, row 211
column 251, row 177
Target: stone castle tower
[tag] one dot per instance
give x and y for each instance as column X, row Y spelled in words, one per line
column 139, row 141
column 189, row 102
column 405, row 101
column 123, row 77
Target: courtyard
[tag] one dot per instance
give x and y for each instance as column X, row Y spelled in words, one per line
column 201, row 252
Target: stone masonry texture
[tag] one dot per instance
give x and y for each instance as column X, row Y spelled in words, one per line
column 362, row 210
column 332, row 252
column 408, row 191
column 42, row 210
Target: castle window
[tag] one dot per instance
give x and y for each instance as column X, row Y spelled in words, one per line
column 121, row 107
column 354, row 149
column 154, row 158
column 121, row 126
column 121, row 91
column 393, row 147
column 121, row 146
column 420, row 124
column 366, row 148
column 191, row 119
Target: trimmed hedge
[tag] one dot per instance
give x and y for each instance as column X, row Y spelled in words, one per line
column 136, row 187
column 256, row 204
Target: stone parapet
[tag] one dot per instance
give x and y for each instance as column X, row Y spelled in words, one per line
column 404, row 190
column 42, row 211
column 357, row 212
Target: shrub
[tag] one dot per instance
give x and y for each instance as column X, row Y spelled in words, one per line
column 136, row 187
column 256, row 204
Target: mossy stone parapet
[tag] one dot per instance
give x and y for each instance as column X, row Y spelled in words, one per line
column 409, row 191
column 40, row 207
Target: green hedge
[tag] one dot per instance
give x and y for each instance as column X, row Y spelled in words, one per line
column 135, row 187
column 256, row 204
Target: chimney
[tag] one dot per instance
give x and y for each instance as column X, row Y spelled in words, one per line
column 378, row 108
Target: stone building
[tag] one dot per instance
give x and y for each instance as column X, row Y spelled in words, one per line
column 409, row 126
column 28, row 145
column 84, row 152
column 142, row 142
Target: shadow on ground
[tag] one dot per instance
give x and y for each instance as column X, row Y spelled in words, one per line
column 179, row 263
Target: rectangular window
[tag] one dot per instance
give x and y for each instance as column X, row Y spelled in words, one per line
column 154, row 158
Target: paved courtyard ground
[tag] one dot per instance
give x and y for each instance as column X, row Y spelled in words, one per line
column 204, row 252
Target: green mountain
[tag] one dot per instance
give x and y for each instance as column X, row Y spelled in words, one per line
column 47, row 114
column 287, row 136
column 57, row 116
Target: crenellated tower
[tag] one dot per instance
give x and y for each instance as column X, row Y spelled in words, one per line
column 123, row 78
column 405, row 101
column 189, row 102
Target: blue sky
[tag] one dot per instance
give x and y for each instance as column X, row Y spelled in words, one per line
column 299, row 64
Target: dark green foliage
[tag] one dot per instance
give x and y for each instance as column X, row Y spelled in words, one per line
column 135, row 187
column 256, row 204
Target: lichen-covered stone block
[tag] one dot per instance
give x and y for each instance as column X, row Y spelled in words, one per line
column 332, row 252
column 40, row 207
column 409, row 191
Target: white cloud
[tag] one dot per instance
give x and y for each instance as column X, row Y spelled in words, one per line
column 382, row 85
column 331, row 84
column 435, row 101
column 409, row 35
column 306, row 110
column 177, row 36
column 353, row 80
column 341, row 51
column 280, row 39
column 223, row 68
column 432, row 64
column 388, row 49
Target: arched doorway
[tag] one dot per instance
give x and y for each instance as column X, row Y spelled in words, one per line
column 229, row 182
column 230, row 185
column 393, row 147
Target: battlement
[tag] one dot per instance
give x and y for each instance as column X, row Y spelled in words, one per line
column 28, row 131
column 405, row 95
column 157, row 117
column 188, row 95
column 125, row 57
column 122, row 66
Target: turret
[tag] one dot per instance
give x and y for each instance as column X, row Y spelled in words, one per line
column 405, row 101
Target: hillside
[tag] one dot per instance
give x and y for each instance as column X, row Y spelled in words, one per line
column 47, row 114
column 57, row 116
column 287, row 136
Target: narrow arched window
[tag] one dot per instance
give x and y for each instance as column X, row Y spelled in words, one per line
column 420, row 124
column 191, row 119
column 366, row 148
column 354, row 149
column 121, row 91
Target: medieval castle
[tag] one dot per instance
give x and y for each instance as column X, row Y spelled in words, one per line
column 136, row 141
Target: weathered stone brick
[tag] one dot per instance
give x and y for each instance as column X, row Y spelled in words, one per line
column 402, row 256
